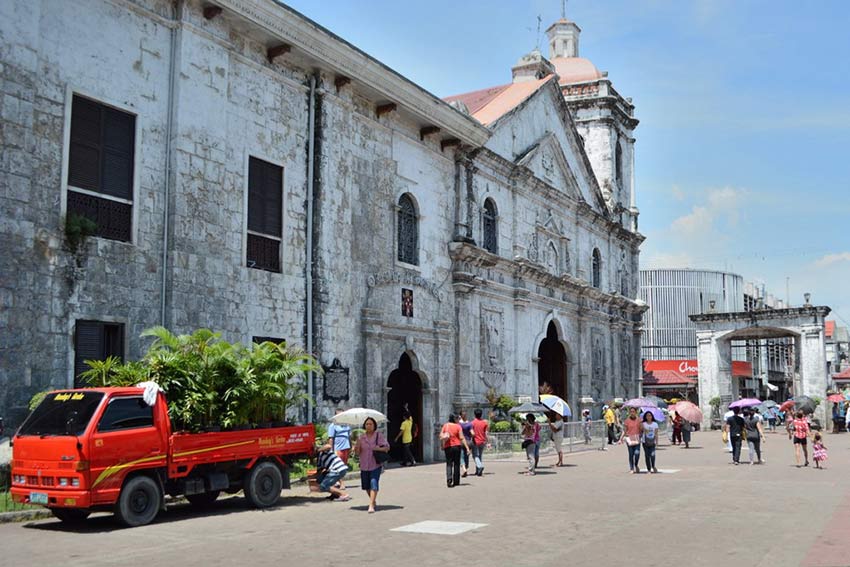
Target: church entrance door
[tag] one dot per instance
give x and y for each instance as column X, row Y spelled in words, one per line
column 552, row 363
column 405, row 394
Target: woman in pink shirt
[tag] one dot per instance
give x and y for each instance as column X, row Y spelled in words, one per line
column 631, row 437
column 370, row 470
column 801, row 435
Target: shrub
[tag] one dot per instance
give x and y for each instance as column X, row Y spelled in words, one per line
column 502, row 427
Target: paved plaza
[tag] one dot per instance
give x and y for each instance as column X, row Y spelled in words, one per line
column 700, row 510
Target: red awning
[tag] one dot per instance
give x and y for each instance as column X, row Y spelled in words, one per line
column 740, row 368
column 843, row 375
column 667, row 378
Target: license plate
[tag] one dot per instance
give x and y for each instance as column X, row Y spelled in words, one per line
column 38, row 498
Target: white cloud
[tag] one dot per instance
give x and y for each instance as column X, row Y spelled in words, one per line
column 677, row 193
column 721, row 205
column 830, row 259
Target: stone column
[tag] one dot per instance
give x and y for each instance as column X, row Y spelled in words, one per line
column 465, row 341
column 373, row 378
column 813, row 379
column 714, row 359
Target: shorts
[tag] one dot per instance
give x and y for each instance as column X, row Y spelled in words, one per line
column 343, row 455
column 369, row 479
column 800, row 440
column 331, row 479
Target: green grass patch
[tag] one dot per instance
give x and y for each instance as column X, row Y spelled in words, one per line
column 6, row 504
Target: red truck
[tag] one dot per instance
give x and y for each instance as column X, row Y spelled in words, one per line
column 97, row 449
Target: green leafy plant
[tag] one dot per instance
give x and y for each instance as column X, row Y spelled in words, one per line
column 77, row 229
column 37, row 399
column 502, row 427
column 714, row 402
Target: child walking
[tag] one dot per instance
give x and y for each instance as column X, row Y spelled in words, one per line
column 819, row 451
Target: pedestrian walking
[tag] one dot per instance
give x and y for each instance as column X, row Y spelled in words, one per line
column 368, row 445
column 801, row 436
column 340, row 437
column 466, row 429
column 733, row 432
column 556, row 434
column 330, row 471
column 819, row 451
column 585, row 426
column 789, row 425
column 530, row 431
column 480, row 440
column 610, row 423
column 631, row 437
column 728, row 440
column 453, row 441
column 405, row 434
column 677, row 428
column 754, row 432
column 687, row 428
column 771, row 419
column 649, row 438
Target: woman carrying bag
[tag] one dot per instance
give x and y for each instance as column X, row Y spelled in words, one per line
column 451, row 437
column 373, row 449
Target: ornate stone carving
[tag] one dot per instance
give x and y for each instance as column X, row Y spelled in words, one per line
column 410, row 278
column 625, row 363
column 492, row 347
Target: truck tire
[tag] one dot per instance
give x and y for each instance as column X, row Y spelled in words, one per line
column 138, row 502
column 263, row 485
column 71, row 516
column 203, row 499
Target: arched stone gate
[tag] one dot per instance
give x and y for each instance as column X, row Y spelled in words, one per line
column 716, row 331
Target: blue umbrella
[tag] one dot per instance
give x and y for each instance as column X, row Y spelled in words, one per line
column 655, row 411
column 556, row 404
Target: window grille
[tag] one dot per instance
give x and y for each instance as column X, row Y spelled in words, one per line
column 491, row 236
column 408, row 231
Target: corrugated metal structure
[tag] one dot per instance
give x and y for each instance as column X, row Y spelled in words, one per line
column 674, row 294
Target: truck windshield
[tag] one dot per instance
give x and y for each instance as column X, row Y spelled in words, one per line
column 62, row 413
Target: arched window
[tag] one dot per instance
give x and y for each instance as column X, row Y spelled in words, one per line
column 596, row 271
column 408, row 231
column 489, row 228
column 618, row 164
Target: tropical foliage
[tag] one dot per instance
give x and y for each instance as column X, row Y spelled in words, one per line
column 210, row 382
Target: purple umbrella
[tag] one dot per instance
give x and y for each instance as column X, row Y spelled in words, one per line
column 745, row 403
column 640, row 403
column 655, row 411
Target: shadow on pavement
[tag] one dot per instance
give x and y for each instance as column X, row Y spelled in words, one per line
column 104, row 523
column 380, row 508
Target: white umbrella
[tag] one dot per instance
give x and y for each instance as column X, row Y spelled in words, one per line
column 356, row 416
column 556, row 404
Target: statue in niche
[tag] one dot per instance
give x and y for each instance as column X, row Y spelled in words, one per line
column 552, row 258
column 533, row 249
column 597, row 360
column 491, row 331
column 548, row 164
column 625, row 364
column 623, row 274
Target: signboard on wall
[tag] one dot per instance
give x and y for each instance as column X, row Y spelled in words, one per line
column 689, row 367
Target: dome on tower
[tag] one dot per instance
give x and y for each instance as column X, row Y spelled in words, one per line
column 575, row 70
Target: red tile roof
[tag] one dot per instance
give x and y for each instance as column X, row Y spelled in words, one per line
column 476, row 100
column 489, row 105
column 666, row 378
column 829, row 328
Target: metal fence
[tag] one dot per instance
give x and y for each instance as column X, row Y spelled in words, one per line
column 509, row 445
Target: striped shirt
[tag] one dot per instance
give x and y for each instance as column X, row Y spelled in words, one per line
column 328, row 461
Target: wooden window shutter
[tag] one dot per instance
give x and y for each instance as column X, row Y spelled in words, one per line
column 84, row 151
column 88, row 345
column 117, row 153
column 265, row 197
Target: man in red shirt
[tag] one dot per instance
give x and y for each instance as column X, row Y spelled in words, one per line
column 480, row 427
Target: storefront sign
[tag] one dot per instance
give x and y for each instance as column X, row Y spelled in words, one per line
column 689, row 367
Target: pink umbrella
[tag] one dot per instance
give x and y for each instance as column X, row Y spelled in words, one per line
column 745, row 403
column 689, row 411
column 640, row 403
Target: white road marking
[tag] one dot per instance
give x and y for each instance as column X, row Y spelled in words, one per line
column 438, row 527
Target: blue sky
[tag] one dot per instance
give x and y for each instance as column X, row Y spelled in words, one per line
column 743, row 151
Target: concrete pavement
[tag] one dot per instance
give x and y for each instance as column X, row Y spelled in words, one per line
column 703, row 512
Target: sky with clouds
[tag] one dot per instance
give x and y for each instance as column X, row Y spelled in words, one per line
column 743, row 150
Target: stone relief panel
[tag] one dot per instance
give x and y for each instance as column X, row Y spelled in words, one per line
column 625, row 364
column 492, row 346
column 552, row 258
column 597, row 361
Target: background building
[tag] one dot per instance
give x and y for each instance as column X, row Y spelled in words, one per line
column 669, row 348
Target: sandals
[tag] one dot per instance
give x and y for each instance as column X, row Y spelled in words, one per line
column 344, row 498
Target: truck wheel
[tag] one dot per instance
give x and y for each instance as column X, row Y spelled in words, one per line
column 263, row 485
column 203, row 499
column 70, row 515
column 138, row 502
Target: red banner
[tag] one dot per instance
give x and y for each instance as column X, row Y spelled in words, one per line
column 690, row 368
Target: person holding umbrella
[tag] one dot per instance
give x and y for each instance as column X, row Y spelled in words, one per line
column 556, row 433
column 631, row 437
column 755, row 434
column 530, row 433
column 372, row 448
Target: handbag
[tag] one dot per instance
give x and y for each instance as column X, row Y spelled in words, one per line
column 381, row 457
column 526, row 443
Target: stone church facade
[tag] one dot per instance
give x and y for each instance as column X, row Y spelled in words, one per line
column 251, row 172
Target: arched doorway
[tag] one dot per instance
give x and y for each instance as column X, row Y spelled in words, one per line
column 405, row 393
column 552, row 363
